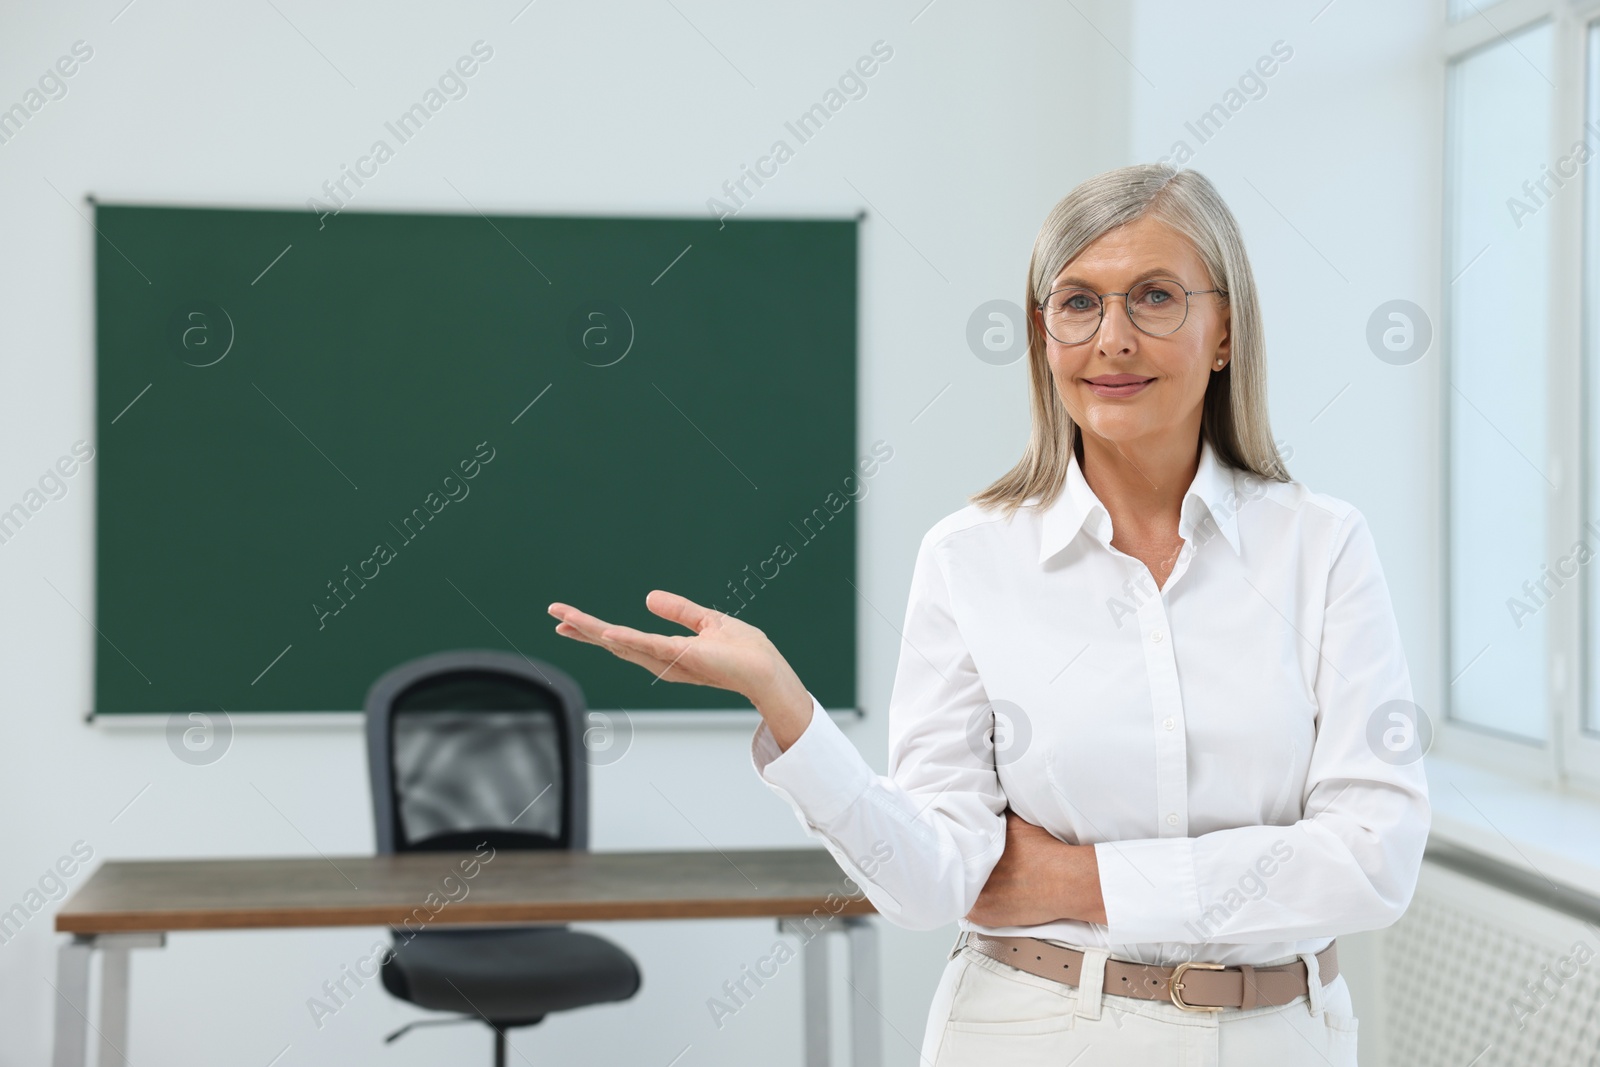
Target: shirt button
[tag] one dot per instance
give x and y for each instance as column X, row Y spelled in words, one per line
column 1172, row 818
column 1167, row 724
column 1156, row 636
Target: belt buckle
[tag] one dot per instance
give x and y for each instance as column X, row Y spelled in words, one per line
column 1174, row 985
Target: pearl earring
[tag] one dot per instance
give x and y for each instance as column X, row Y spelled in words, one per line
column 1219, row 362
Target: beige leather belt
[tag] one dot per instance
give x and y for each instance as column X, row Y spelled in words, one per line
column 1191, row 986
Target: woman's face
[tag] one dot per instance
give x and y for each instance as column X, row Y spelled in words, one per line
column 1174, row 368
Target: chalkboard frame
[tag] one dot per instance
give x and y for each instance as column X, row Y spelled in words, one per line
column 174, row 279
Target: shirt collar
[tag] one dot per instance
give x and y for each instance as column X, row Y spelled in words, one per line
column 1212, row 492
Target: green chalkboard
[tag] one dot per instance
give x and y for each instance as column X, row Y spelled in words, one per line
column 331, row 444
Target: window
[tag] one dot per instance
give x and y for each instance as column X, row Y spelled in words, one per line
column 1591, row 364
column 1521, row 386
column 1498, row 241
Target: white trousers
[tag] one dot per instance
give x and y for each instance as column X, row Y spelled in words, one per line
column 988, row 1013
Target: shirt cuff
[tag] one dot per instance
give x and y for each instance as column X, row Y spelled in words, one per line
column 821, row 774
column 1149, row 890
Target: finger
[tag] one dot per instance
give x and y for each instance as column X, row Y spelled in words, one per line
column 656, row 666
column 568, row 613
column 664, row 654
column 679, row 609
column 598, row 631
column 579, row 620
column 560, row 610
column 664, row 670
column 660, row 646
column 657, row 653
column 577, row 635
column 603, row 637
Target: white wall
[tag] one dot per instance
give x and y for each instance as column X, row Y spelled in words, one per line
column 623, row 108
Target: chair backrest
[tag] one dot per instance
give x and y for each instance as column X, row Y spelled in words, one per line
column 469, row 746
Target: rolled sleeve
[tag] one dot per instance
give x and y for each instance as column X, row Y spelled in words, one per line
column 922, row 839
column 821, row 774
column 1148, row 886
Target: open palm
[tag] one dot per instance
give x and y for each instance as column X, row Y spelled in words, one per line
column 724, row 652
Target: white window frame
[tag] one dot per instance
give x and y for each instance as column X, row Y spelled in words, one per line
column 1570, row 758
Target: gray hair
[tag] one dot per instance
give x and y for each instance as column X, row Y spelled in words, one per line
column 1234, row 412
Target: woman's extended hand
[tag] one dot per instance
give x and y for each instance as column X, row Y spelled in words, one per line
column 1039, row 879
column 724, row 652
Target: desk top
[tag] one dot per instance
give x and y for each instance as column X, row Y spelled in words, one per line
column 454, row 888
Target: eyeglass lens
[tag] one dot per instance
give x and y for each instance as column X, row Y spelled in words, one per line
column 1157, row 306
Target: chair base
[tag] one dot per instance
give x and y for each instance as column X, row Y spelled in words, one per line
column 498, row 1026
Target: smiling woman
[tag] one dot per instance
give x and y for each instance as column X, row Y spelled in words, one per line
column 1084, row 792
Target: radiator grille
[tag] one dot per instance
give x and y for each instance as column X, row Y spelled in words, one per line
column 1464, row 955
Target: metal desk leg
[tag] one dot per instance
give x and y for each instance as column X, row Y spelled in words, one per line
column 72, row 1003
column 866, row 1032
column 815, row 1003
column 72, row 997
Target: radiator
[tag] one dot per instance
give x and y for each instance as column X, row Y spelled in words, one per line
column 1532, row 951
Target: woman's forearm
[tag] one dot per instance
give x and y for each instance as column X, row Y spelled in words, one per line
column 1040, row 879
column 787, row 710
column 1082, row 899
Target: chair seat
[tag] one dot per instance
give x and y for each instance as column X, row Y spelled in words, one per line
column 507, row 975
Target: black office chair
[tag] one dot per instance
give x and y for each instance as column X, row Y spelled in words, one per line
column 473, row 747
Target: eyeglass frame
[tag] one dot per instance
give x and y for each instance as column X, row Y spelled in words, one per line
column 1187, row 293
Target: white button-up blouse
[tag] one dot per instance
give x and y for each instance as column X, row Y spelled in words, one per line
column 1237, row 745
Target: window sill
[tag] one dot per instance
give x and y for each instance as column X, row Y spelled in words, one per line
column 1552, row 835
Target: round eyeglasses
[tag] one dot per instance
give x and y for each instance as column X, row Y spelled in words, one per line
column 1157, row 307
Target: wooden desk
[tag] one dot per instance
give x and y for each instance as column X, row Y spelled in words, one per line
column 133, row 904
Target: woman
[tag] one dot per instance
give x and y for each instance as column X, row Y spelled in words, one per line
column 1134, row 731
